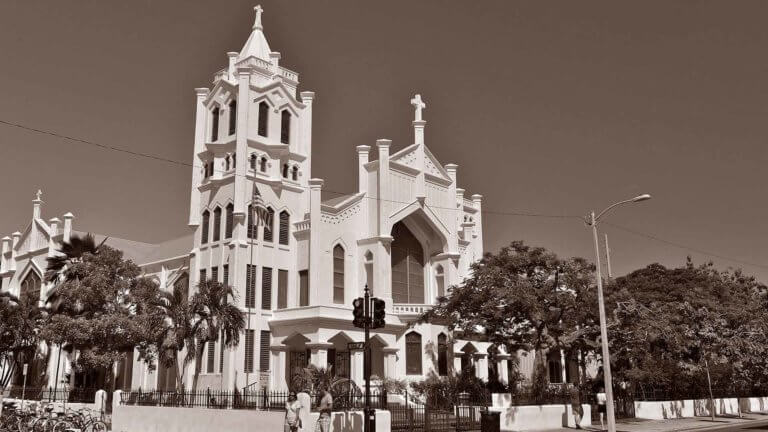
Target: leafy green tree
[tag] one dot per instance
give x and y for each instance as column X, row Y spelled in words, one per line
column 212, row 315
column 525, row 298
column 20, row 322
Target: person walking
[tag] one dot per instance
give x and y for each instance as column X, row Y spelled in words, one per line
column 325, row 408
column 292, row 419
column 600, row 396
column 576, row 405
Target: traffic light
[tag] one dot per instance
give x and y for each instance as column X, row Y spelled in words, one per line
column 359, row 312
column 378, row 312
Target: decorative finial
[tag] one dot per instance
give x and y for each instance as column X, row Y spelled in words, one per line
column 419, row 105
column 257, row 23
column 38, row 195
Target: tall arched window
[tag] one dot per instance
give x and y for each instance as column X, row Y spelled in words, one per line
column 215, row 124
column 263, row 164
column 407, row 266
column 295, row 173
column 442, row 354
column 30, row 287
column 205, row 227
column 217, row 224
column 210, row 168
column 285, row 127
column 338, row 274
column 269, row 226
column 230, row 221
column 263, row 118
column 284, row 228
column 413, row 353
column 439, row 281
column 234, row 161
column 368, row 264
column 253, row 161
column 252, row 230
column 232, row 117
column 226, row 163
column 205, row 170
column 285, row 170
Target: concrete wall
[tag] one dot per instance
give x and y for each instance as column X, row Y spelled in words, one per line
column 723, row 406
column 754, row 404
column 162, row 419
column 532, row 417
column 659, row 410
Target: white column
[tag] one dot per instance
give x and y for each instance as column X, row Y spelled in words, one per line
column 457, row 361
column 14, row 244
column 356, row 367
column 318, row 294
column 232, row 55
column 201, row 121
column 307, row 97
column 278, row 367
column 385, row 195
column 362, row 173
column 6, row 245
column 54, row 223
column 477, row 199
column 67, row 233
column 390, row 362
column 319, row 354
column 563, row 365
column 241, row 140
column 481, row 366
column 504, row 369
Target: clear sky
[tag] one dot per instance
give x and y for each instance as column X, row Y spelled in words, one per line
column 547, row 107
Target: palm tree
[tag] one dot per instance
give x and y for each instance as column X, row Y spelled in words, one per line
column 70, row 252
column 177, row 329
column 213, row 314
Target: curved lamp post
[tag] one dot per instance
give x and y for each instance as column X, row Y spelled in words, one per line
column 607, row 380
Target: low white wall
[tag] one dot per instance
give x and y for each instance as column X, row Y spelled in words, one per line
column 723, row 406
column 661, row 410
column 127, row 418
column 754, row 404
column 532, row 417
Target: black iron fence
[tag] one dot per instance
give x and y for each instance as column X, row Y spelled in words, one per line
column 264, row 400
column 49, row 394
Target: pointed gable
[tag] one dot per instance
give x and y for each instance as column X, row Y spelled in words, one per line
column 409, row 157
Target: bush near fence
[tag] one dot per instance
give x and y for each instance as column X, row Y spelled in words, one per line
column 49, row 394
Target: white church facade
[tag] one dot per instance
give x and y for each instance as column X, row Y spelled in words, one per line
column 408, row 232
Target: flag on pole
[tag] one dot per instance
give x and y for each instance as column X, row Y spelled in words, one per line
column 257, row 203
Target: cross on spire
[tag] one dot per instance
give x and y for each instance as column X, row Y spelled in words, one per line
column 418, row 105
column 38, row 195
column 257, row 23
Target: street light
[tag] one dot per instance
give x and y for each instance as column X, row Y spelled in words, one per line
column 607, row 380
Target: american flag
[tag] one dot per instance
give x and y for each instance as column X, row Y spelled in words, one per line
column 259, row 207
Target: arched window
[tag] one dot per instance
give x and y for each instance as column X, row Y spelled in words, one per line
column 368, row 264
column 210, row 168
column 205, row 227
column 285, row 170
column 407, row 266
column 30, row 287
column 232, row 117
column 413, row 353
column 439, row 281
column 263, row 118
column 234, row 161
column 295, row 173
column 284, row 221
column 555, row 371
column 442, row 354
column 263, row 164
column 269, row 226
column 253, row 161
column 230, row 221
column 205, row 170
column 226, row 163
column 338, row 274
column 215, row 124
column 217, row 224
column 285, row 127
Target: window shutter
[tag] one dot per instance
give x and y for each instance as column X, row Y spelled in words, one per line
column 268, row 228
column 217, row 224
column 413, row 353
column 282, row 289
column 226, row 274
column 248, row 366
column 221, row 353
column 211, row 356
column 251, row 226
column 203, row 275
column 263, row 117
column 264, row 351
column 230, row 220
column 285, row 127
column 284, row 221
column 442, row 355
column 266, row 288
column 338, row 274
column 204, row 228
column 215, row 273
column 250, row 286
column 232, row 117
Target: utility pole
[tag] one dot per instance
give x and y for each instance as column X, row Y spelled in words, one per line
column 608, row 257
column 368, row 314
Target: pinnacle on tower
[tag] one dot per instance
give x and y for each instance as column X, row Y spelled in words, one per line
column 256, row 45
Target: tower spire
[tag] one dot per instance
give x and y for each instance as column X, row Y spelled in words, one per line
column 256, row 45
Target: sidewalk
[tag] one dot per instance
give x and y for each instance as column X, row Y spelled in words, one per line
column 674, row 425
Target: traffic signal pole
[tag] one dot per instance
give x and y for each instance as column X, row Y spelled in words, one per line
column 368, row 314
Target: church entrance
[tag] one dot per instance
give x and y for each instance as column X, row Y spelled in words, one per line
column 407, row 266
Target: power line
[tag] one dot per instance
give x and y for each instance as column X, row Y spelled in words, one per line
column 684, row 247
column 191, row 165
column 484, row 211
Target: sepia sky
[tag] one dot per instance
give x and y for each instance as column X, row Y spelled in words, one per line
column 548, row 107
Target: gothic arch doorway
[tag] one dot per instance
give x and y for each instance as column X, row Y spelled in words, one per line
column 407, row 266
